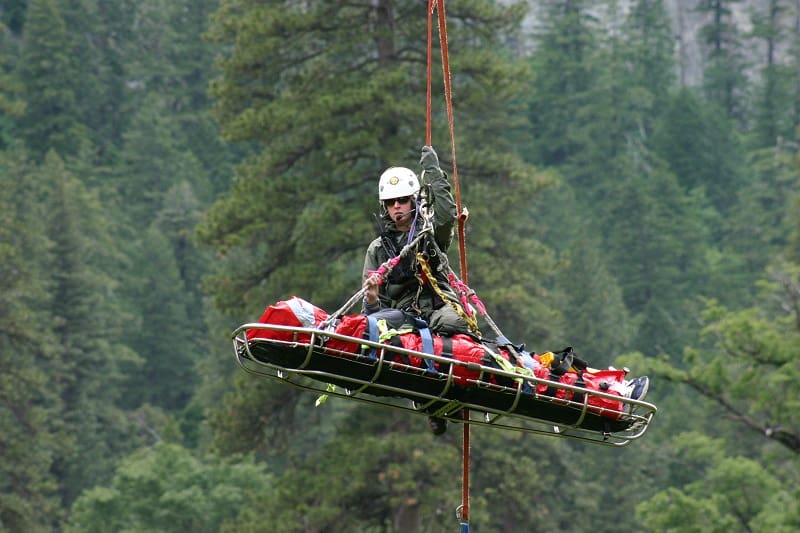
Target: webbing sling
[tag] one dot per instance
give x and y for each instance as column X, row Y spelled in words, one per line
column 427, row 347
column 447, row 351
column 374, row 336
column 427, row 343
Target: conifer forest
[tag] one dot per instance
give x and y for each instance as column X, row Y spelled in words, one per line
column 169, row 168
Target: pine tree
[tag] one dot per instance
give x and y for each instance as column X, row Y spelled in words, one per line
column 154, row 159
column 564, row 74
column 92, row 363
column 101, row 84
column 169, row 57
column 28, row 400
column 762, row 224
column 700, row 148
column 177, row 220
column 11, row 104
column 608, row 116
column 598, row 322
column 656, row 241
column 164, row 335
column 773, row 108
column 330, row 110
column 648, row 48
column 724, row 79
column 49, row 75
column 745, row 366
column 600, row 90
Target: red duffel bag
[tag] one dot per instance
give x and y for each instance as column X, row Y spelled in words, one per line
column 294, row 312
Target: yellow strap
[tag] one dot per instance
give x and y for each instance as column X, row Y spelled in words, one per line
column 510, row 367
column 547, row 359
column 384, row 333
column 324, row 397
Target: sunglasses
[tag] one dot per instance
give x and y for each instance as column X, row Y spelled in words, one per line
column 403, row 200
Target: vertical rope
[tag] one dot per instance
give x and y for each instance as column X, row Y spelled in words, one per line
column 431, row 7
column 465, row 473
column 439, row 4
column 448, row 95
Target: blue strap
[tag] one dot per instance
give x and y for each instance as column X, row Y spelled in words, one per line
column 372, row 324
column 427, row 347
column 427, row 343
column 526, row 385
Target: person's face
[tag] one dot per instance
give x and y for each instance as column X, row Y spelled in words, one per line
column 400, row 210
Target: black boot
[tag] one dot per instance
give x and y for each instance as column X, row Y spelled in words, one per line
column 437, row 425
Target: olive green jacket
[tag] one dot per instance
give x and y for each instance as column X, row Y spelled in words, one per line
column 402, row 289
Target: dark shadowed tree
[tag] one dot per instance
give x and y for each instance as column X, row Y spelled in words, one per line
column 49, row 74
column 724, row 80
column 163, row 334
column 11, row 104
column 29, row 401
column 87, row 323
column 698, row 144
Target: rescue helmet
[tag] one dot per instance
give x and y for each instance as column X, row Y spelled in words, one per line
column 397, row 182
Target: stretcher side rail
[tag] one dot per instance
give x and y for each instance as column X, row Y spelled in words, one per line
column 379, row 380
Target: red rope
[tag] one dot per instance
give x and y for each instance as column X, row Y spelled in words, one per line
column 448, row 95
column 433, row 4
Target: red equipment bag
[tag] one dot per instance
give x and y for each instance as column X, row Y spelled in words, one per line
column 352, row 326
column 294, row 312
column 607, row 381
column 459, row 347
column 610, row 382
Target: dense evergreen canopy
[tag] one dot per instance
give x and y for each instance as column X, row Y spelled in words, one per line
column 170, row 167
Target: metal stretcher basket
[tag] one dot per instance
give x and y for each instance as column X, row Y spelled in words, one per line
column 495, row 398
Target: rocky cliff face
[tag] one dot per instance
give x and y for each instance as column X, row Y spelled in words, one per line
column 686, row 25
column 687, row 22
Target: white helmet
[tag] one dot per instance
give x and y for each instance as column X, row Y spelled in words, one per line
column 397, row 182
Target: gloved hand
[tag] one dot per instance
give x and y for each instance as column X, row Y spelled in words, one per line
column 429, row 159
